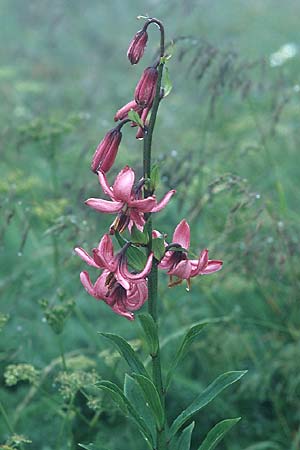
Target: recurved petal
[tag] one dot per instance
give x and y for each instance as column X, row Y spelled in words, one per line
column 143, row 205
column 104, row 206
column 182, row 234
column 104, row 184
column 87, row 284
column 86, row 257
column 100, row 288
column 123, row 185
column 137, row 295
column 135, row 276
column 212, row 266
column 200, row 264
column 182, row 270
column 164, row 201
column 119, row 309
column 104, row 254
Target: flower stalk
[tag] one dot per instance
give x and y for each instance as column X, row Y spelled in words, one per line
column 152, row 278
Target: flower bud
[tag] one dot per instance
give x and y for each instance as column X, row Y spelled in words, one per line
column 146, row 87
column 137, row 46
column 106, row 152
column 123, row 112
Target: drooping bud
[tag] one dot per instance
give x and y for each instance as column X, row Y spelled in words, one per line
column 146, row 87
column 137, row 46
column 123, row 112
column 140, row 133
column 107, row 150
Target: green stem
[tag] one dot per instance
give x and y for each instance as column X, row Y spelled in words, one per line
column 62, row 353
column 152, row 279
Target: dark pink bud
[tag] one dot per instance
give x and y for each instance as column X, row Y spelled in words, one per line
column 123, row 112
column 107, row 150
column 137, row 46
column 146, row 87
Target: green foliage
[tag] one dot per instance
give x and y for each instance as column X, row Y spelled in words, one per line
column 188, row 339
column 216, row 434
column 128, row 353
column 217, row 386
column 150, row 332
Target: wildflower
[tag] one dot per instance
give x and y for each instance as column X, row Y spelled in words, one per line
column 116, row 265
column 126, row 201
column 137, row 46
column 106, row 151
column 146, row 87
column 123, row 112
column 121, row 300
column 177, row 263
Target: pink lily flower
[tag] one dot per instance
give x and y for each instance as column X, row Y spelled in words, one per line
column 121, row 300
column 126, row 201
column 116, row 265
column 137, row 46
column 177, row 263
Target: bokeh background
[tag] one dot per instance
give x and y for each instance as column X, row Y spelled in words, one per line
column 227, row 138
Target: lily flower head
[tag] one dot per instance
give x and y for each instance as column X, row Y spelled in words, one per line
column 122, row 301
column 177, row 263
column 126, row 201
column 115, row 265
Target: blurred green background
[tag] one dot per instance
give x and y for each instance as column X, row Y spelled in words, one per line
column 227, row 138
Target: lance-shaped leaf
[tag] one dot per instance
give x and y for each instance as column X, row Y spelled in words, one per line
column 128, row 353
column 158, row 248
column 184, row 440
column 154, row 177
column 216, row 434
column 134, row 117
column 150, row 331
column 126, row 407
column 134, row 394
column 152, row 398
column 217, row 386
column 135, row 257
column 167, row 84
column 188, row 339
column 92, row 447
column 139, row 237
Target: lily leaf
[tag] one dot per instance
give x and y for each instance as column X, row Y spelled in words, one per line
column 134, row 394
column 139, row 237
column 184, row 441
column 136, row 258
column 158, row 248
column 217, row 386
column 152, row 398
column 126, row 407
column 188, row 339
column 134, row 117
column 150, row 331
column 216, row 434
column 128, row 353
column 154, row 177
column 167, row 83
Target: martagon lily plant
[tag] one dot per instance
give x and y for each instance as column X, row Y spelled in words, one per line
column 128, row 277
